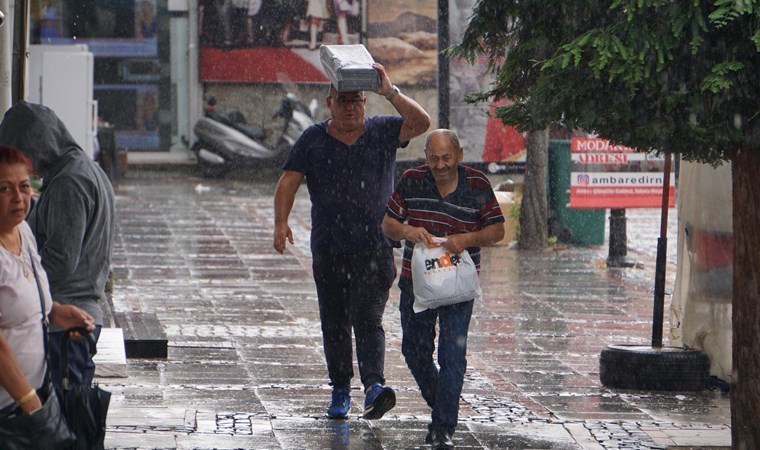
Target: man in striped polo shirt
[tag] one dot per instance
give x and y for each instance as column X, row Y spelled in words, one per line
column 440, row 199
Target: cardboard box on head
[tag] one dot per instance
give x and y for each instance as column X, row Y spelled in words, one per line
column 349, row 67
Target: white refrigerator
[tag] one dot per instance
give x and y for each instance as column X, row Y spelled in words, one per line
column 61, row 78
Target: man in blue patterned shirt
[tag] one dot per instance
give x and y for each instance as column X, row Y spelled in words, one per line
column 349, row 162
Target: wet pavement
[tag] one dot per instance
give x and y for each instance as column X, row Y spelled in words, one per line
column 245, row 367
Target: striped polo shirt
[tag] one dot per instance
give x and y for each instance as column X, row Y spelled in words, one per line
column 416, row 200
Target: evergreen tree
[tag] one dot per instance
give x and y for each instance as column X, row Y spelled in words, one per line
column 662, row 76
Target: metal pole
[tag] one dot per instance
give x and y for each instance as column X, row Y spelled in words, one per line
column 23, row 51
column 19, row 48
column 443, row 64
column 6, row 52
column 659, row 277
column 195, row 89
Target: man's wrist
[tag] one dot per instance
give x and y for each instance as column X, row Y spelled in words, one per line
column 406, row 228
column 395, row 91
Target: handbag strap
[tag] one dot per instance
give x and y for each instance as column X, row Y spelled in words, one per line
column 44, row 316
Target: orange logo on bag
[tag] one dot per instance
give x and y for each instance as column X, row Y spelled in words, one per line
column 447, row 260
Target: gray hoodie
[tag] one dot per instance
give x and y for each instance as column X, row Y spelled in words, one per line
column 73, row 220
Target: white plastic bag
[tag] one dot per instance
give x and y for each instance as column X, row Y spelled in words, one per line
column 441, row 278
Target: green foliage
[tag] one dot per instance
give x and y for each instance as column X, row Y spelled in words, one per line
column 681, row 75
column 729, row 10
column 36, row 182
column 719, row 79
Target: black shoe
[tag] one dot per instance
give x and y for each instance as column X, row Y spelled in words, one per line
column 442, row 440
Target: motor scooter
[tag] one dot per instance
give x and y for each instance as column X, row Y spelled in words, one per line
column 228, row 141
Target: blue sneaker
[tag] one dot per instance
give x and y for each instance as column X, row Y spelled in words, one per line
column 380, row 399
column 341, row 402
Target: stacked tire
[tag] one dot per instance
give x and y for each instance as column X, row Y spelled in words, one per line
column 649, row 368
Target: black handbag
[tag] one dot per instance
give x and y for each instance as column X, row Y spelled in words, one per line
column 46, row 428
column 85, row 407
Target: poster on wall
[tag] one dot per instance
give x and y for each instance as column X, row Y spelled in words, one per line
column 604, row 175
column 257, row 41
column 484, row 138
column 403, row 37
column 48, row 19
column 146, row 25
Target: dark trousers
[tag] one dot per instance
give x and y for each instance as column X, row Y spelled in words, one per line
column 442, row 387
column 81, row 366
column 352, row 292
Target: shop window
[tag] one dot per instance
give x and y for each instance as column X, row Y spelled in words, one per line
column 124, row 37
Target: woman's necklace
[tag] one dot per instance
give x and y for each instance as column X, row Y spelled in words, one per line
column 20, row 258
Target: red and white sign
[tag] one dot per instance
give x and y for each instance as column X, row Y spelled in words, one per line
column 597, row 145
column 603, row 175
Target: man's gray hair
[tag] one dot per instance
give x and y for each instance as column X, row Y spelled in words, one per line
column 453, row 137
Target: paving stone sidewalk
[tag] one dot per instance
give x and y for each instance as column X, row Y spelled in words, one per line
column 245, row 367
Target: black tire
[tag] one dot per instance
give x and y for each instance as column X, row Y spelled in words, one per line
column 653, row 369
column 208, row 170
